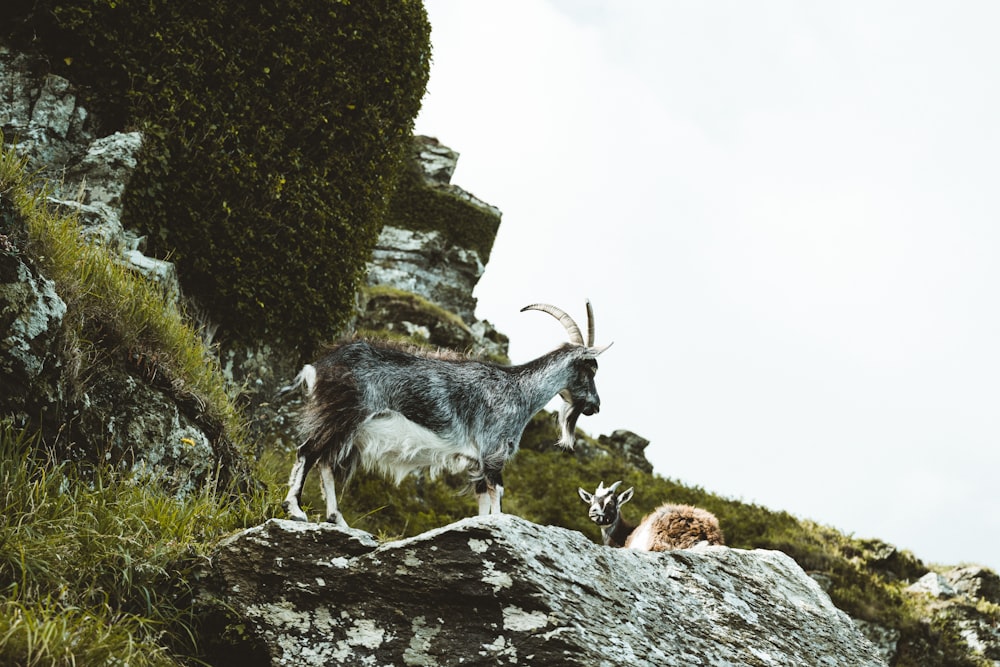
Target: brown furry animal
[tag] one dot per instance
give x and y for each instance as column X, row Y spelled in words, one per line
column 667, row 527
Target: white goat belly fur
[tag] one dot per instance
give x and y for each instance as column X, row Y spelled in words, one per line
column 641, row 538
column 394, row 445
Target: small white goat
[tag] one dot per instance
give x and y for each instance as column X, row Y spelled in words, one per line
column 665, row 528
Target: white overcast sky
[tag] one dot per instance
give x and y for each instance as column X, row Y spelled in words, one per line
column 786, row 216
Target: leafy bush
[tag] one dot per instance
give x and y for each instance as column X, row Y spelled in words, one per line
column 274, row 132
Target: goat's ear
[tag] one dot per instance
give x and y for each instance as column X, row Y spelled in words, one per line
column 585, row 496
column 595, row 352
column 625, row 495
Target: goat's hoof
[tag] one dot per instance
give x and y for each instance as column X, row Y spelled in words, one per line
column 337, row 520
column 300, row 516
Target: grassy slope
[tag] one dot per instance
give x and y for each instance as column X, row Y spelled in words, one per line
column 92, row 567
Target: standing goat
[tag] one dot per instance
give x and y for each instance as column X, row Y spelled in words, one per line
column 400, row 410
column 665, row 528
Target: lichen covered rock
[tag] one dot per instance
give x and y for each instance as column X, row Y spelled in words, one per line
column 502, row 591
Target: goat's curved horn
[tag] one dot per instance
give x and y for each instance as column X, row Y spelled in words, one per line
column 575, row 337
column 590, row 324
column 614, row 486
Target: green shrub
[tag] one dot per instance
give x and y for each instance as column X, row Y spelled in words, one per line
column 274, row 133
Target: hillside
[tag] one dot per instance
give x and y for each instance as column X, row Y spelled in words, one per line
column 138, row 424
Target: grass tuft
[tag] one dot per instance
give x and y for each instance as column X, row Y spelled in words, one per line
column 111, row 310
column 96, row 564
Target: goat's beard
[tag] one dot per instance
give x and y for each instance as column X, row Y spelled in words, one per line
column 568, row 415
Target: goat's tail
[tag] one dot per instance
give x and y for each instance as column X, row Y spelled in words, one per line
column 306, row 376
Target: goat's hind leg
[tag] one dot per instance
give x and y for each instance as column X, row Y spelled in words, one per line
column 329, row 488
column 296, row 480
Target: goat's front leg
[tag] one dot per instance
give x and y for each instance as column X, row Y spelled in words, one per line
column 489, row 491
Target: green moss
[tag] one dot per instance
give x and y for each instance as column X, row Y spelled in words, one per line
column 273, row 134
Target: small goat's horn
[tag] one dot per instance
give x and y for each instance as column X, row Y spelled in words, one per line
column 575, row 337
column 614, row 486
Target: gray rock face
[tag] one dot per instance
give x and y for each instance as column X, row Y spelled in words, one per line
column 422, row 262
column 143, row 430
column 40, row 115
column 40, row 112
column 502, row 591
column 955, row 595
column 631, row 445
column 975, row 581
column 31, row 315
column 437, row 161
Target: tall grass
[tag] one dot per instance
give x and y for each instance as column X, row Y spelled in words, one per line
column 95, row 565
column 111, row 310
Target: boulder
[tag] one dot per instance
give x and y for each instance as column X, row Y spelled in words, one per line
column 975, row 581
column 932, row 584
column 499, row 590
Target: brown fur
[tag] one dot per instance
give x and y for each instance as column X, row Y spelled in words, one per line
column 678, row 527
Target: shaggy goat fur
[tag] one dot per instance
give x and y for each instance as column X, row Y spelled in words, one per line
column 675, row 527
column 400, row 410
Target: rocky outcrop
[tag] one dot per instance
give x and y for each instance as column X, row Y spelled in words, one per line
column 117, row 410
column 631, row 446
column 501, row 591
column 42, row 118
column 958, row 596
column 423, row 262
column 31, row 318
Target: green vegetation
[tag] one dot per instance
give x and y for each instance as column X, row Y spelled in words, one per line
column 93, row 566
column 107, row 302
column 114, row 317
column 95, row 569
column 273, row 134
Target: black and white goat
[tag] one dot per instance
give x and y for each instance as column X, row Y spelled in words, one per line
column 400, row 410
column 665, row 528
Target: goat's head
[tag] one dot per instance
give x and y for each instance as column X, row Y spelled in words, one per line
column 604, row 504
column 580, row 393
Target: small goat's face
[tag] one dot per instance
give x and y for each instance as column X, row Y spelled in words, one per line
column 605, row 506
